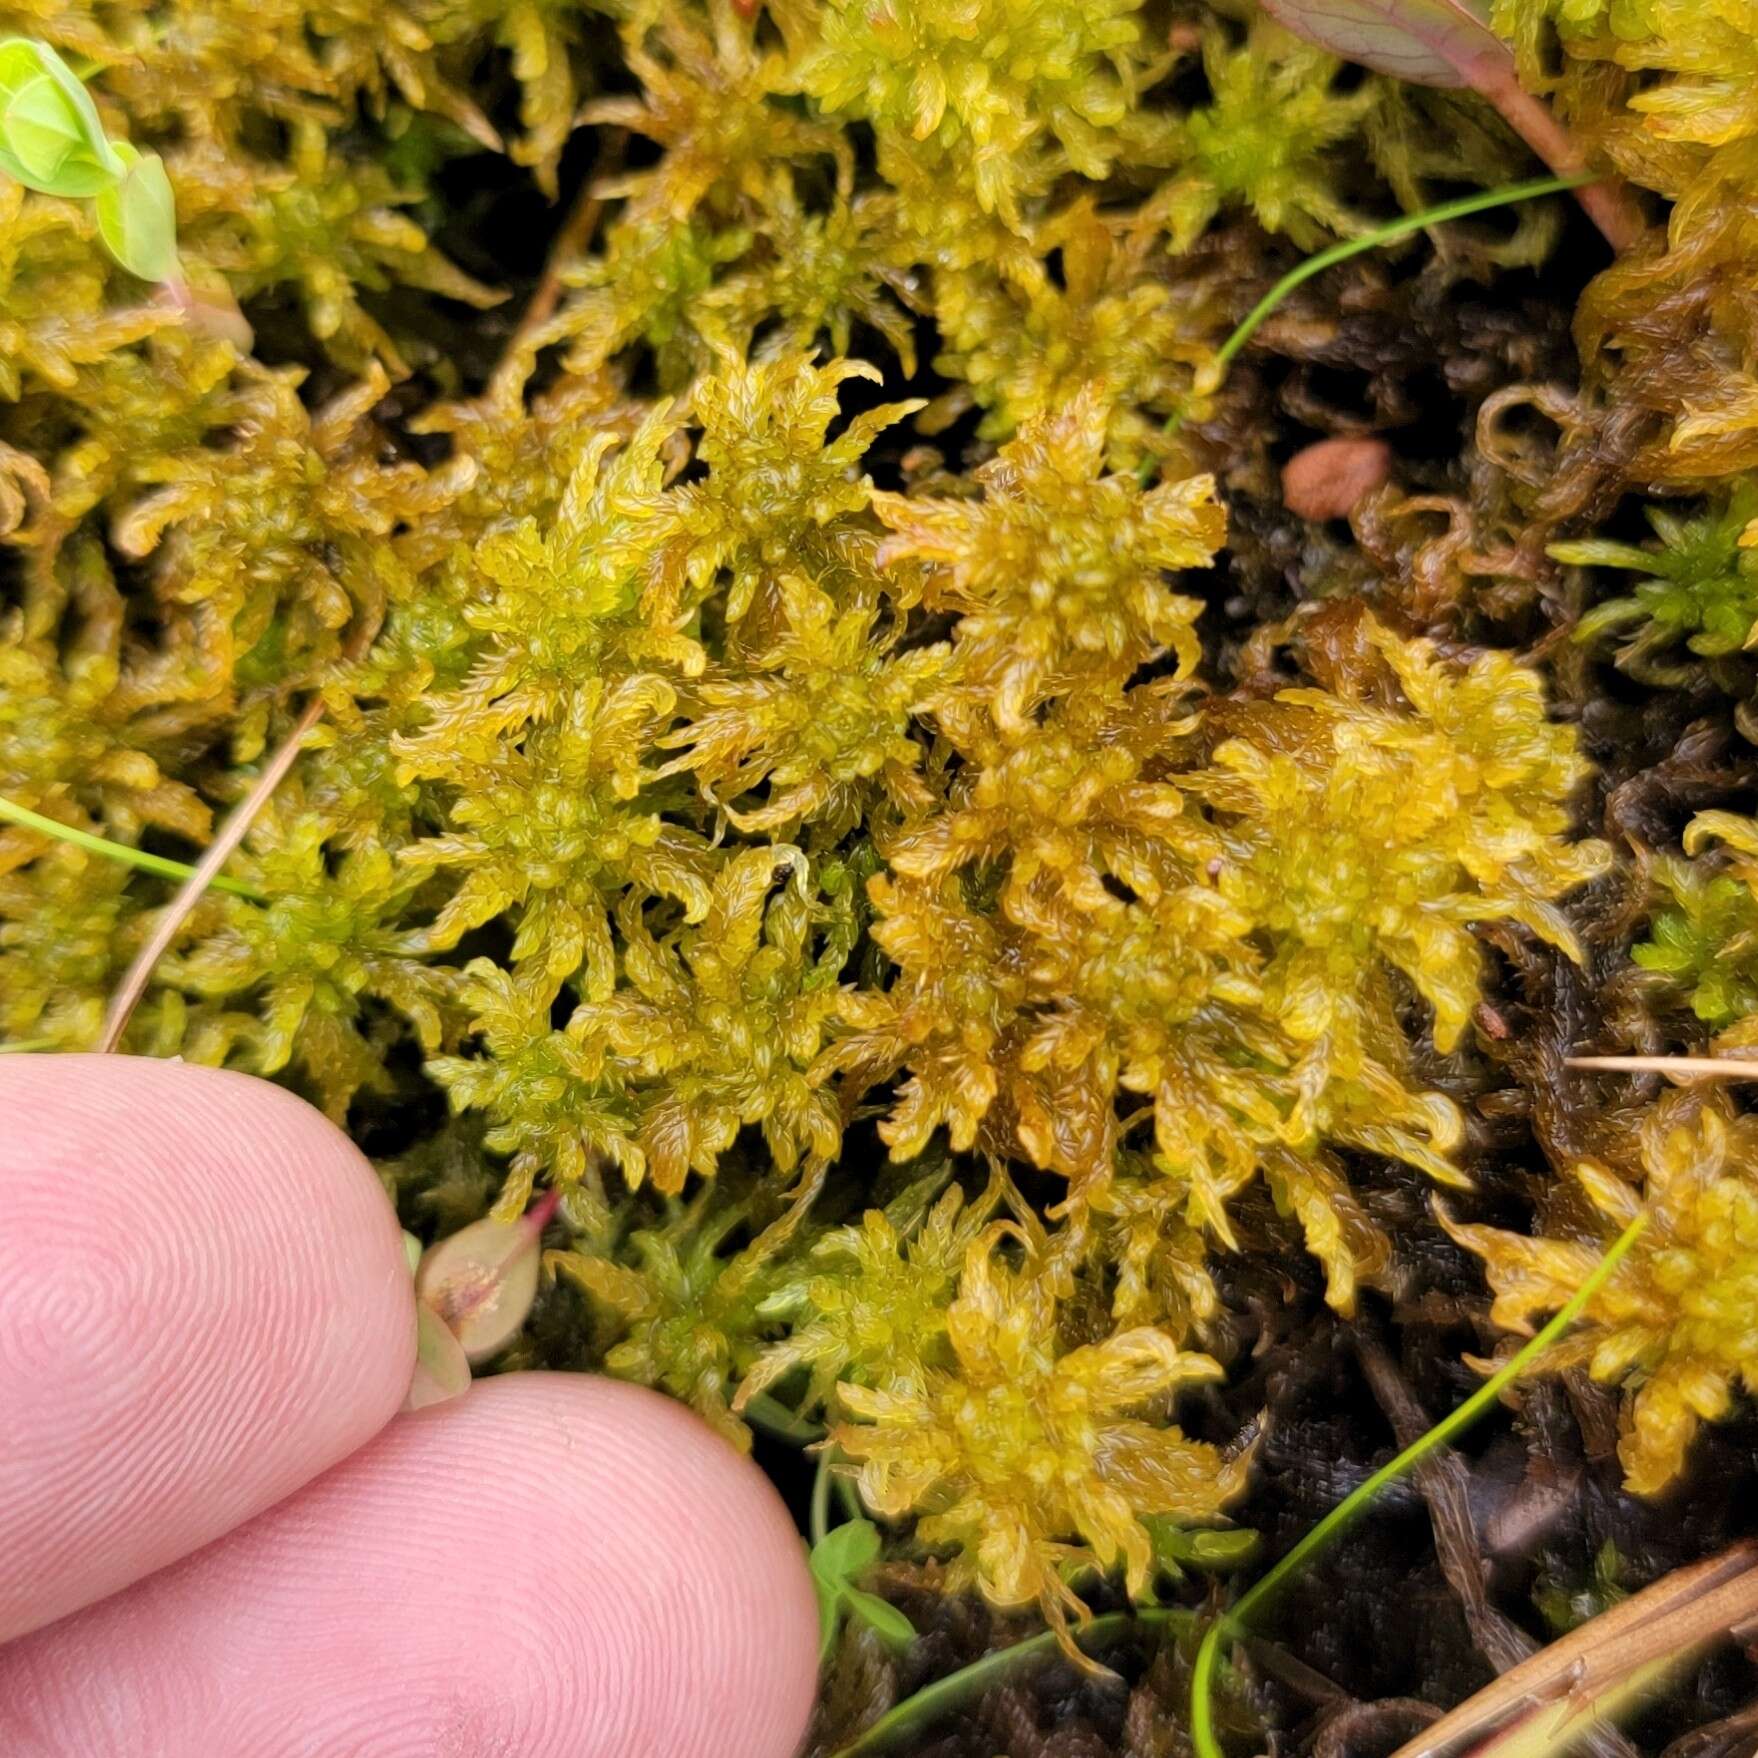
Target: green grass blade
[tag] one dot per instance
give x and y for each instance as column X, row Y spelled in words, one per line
column 959, row 1688
column 115, row 851
column 772, row 1417
column 1353, row 1506
column 1402, row 227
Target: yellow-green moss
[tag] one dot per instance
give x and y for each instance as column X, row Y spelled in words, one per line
column 711, row 770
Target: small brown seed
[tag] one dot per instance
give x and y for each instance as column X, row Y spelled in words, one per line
column 1326, row 479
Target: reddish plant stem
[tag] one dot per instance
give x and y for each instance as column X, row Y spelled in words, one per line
column 570, row 243
column 1609, row 203
column 538, row 1216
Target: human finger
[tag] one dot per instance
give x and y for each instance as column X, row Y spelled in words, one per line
column 555, row 1565
column 204, row 1302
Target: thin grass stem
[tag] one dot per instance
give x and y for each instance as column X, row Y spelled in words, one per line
column 1402, row 227
column 1353, row 1506
column 25, row 818
column 819, row 1524
column 959, row 1688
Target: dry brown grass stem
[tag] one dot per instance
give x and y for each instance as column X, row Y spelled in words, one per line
column 171, row 919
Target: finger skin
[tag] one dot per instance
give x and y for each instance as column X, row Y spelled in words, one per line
column 553, row 1566
column 203, row 1304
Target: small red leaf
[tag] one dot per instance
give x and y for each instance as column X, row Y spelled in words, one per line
column 482, row 1281
column 1433, row 42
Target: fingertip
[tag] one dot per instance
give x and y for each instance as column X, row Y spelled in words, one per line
column 556, row 1565
column 206, row 1304
column 742, row 1616
column 681, row 1617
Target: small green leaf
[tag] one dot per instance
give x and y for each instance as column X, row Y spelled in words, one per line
column 829, row 1597
column 41, row 132
column 1201, row 1547
column 51, row 138
column 22, row 60
column 846, row 1551
column 1221, row 1550
column 138, row 217
column 881, row 1617
column 841, row 1553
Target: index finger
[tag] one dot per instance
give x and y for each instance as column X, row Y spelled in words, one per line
column 203, row 1304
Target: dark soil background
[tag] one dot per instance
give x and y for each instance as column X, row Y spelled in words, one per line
column 1393, row 1624
column 1414, row 1609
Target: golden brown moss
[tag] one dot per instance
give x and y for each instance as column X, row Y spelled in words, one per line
column 710, row 773
column 1677, row 1325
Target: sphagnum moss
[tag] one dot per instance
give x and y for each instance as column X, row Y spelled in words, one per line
column 1676, row 1324
column 724, row 755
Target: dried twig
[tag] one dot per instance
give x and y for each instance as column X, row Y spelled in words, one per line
column 1677, row 1068
column 1358, row 1724
column 570, row 243
column 1734, row 1736
column 1545, row 1703
column 1277, row 1663
column 191, row 891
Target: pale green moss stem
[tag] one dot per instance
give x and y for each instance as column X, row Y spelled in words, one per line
column 819, row 1524
column 1389, row 233
column 851, row 1502
column 779, row 1423
column 115, row 851
column 1347, row 1511
column 959, row 1688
